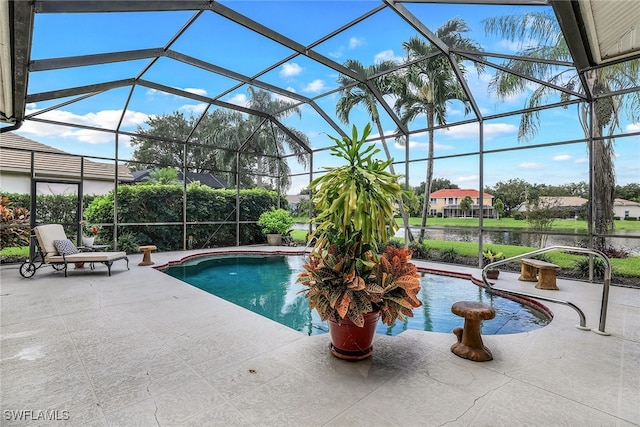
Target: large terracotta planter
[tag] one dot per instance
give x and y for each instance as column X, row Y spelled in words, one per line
column 351, row 342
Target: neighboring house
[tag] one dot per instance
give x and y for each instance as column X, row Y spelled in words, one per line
column 447, row 203
column 624, row 209
column 568, row 206
column 204, row 178
column 51, row 164
column 294, row 201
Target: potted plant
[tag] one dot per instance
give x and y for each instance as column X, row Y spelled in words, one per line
column 89, row 233
column 275, row 223
column 490, row 256
column 347, row 282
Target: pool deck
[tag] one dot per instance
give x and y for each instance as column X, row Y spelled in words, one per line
column 142, row 348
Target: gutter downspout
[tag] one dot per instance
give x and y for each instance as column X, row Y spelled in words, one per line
column 15, row 126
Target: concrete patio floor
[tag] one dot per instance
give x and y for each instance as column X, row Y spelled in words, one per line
column 141, row 348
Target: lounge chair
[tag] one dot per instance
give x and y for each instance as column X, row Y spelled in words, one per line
column 56, row 249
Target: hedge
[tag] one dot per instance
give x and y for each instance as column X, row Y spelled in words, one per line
column 161, row 204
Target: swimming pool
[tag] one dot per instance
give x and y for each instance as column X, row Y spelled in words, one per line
column 266, row 285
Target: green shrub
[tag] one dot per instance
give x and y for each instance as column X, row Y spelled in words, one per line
column 582, row 267
column 275, row 221
column 163, row 204
column 518, row 216
column 420, row 251
column 128, row 243
column 449, row 255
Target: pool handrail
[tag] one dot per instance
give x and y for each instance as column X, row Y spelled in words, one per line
column 583, row 322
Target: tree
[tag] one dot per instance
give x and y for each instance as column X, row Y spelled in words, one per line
column 543, row 28
column 162, row 176
column 541, row 213
column 441, row 184
column 357, row 93
column 214, row 139
column 628, row 192
column 499, row 207
column 427, row 86
column 204, row 153
column 270, row 142
column 512, row 193
column 466, row 204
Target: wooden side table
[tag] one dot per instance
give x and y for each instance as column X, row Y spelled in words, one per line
column 146, row 254
column 470, row 345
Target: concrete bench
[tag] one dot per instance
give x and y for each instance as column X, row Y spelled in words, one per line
column 544, row 273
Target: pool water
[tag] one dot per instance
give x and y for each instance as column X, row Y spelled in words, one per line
column 266, row 285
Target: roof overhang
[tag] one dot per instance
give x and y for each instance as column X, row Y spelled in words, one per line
column 16, row 28
column 600, row 32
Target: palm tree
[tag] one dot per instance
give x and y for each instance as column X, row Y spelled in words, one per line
column 550, row 45
column 163, row 176
column 357, row 93
column 466, row 204
column 427, row 86
column 271, row 141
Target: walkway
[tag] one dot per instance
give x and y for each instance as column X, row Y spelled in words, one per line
column 141, row 348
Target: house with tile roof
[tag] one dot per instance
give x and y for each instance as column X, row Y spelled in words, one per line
column 625, row 209
column 55, row 171
column 447, row 203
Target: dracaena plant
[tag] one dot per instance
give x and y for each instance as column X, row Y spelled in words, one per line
column 345, row 278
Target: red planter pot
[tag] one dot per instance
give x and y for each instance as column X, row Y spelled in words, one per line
column 351, row 342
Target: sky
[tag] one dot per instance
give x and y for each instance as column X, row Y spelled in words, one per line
column 221, row 42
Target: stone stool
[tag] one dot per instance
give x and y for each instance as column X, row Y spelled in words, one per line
column 470, row 345
column 146, row 254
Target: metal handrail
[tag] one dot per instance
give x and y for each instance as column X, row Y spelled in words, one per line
column 583, row 322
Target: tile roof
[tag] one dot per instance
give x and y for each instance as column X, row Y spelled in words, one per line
column 15, row 156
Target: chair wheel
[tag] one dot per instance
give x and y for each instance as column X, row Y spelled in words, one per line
column 27, row 269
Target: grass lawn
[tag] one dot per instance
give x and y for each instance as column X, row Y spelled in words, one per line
column 21, row 251
column 629, row 266
column 564, row 224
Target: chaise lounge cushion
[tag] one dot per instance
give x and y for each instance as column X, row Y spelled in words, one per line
column 49, row 233
column 65, row 247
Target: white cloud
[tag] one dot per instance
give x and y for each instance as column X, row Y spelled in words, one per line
column 582, row 160
column 315, row 86
column 467, row 178
column 386, row 55
column 239, row 99
column 290, row 69
column 530, row 165
column 562, row 157
column 633, row 127
column 515, row 46
column 105, row 119
column 194, row 109
column 195, row 91
column 355, row 42
column 470, row 130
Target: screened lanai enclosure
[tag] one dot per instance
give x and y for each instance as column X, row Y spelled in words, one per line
column 515, row 97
